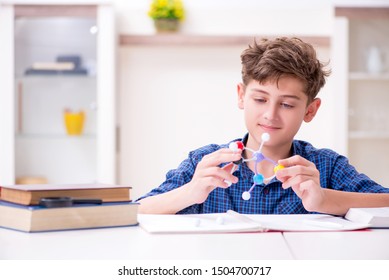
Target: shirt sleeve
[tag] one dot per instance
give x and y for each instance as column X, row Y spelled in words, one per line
column 346, row 178
column 182, row 175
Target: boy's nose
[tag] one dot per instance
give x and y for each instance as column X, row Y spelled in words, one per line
column 271, row 112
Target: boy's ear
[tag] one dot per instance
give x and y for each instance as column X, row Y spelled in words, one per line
column 241, row 90
column 312, row 109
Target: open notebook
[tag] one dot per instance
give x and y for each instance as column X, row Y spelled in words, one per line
column 234, row 222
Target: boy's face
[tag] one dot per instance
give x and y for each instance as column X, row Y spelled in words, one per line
column 278, row 109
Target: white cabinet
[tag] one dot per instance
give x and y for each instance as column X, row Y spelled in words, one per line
column 361, row 69
column 34, row 141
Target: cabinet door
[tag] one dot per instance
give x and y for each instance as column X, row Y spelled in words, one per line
column 55, row 60
column 369, row 96
column 63, row 121
column 6, row 95
column 362, row 68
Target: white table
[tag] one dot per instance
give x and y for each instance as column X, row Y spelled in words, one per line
column 135, row 243
column 350, row 245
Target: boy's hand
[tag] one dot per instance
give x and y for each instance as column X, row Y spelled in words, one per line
column 303, row 177
column 208, row 175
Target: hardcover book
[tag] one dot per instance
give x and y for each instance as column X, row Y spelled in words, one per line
column 375, row 217
column 38, row 218
column 31, row 194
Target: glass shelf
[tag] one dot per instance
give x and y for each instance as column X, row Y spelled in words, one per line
column 82, row 137
column 44, row 77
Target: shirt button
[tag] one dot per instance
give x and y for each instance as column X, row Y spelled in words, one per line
column 265, row 191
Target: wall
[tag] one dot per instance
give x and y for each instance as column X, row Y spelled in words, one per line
column 235, row 17
column 174, row 99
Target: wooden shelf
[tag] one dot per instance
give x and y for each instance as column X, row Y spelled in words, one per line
column 74, row 10
column 368, row 135
column 54, row 137
column 213, row 40
column 363, row 76
column 363, row 12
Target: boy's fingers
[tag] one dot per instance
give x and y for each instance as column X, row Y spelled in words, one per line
column 218, row 173
column 230, row 168
column 295, row 165
column 221, row 156
column 294, row 160
column 227, row 176
column 294, row 181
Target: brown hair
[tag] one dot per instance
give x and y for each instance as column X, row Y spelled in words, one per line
column 270, row 60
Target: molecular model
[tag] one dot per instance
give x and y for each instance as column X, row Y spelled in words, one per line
column 258, row 156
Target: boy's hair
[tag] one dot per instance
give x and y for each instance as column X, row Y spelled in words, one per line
column 270, row 60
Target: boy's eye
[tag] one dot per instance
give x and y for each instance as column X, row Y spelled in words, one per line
column 260, row 100
column 286, row 105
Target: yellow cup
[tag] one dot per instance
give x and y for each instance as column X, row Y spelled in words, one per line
column 74, row 122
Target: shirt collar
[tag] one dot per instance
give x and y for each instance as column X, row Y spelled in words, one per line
column 245, row 139
column 297, row 149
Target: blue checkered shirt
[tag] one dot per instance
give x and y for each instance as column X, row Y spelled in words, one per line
column 335, row 173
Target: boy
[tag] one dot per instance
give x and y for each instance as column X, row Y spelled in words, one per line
column 281, row 79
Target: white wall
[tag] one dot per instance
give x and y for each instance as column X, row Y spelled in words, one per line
column 235, row 17
column 173, row 99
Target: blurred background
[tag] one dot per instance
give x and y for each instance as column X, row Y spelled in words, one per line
column 151, row 96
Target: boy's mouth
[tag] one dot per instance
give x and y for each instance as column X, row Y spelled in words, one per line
column 268, row 127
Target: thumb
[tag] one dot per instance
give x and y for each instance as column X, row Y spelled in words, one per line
column 229, row 167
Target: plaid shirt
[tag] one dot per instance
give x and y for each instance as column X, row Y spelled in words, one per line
column 335, row 173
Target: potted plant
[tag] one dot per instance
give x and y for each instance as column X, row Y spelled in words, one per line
column 166, row 14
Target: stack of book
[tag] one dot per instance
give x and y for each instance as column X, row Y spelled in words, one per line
column 21, row 208
column 64, row 65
